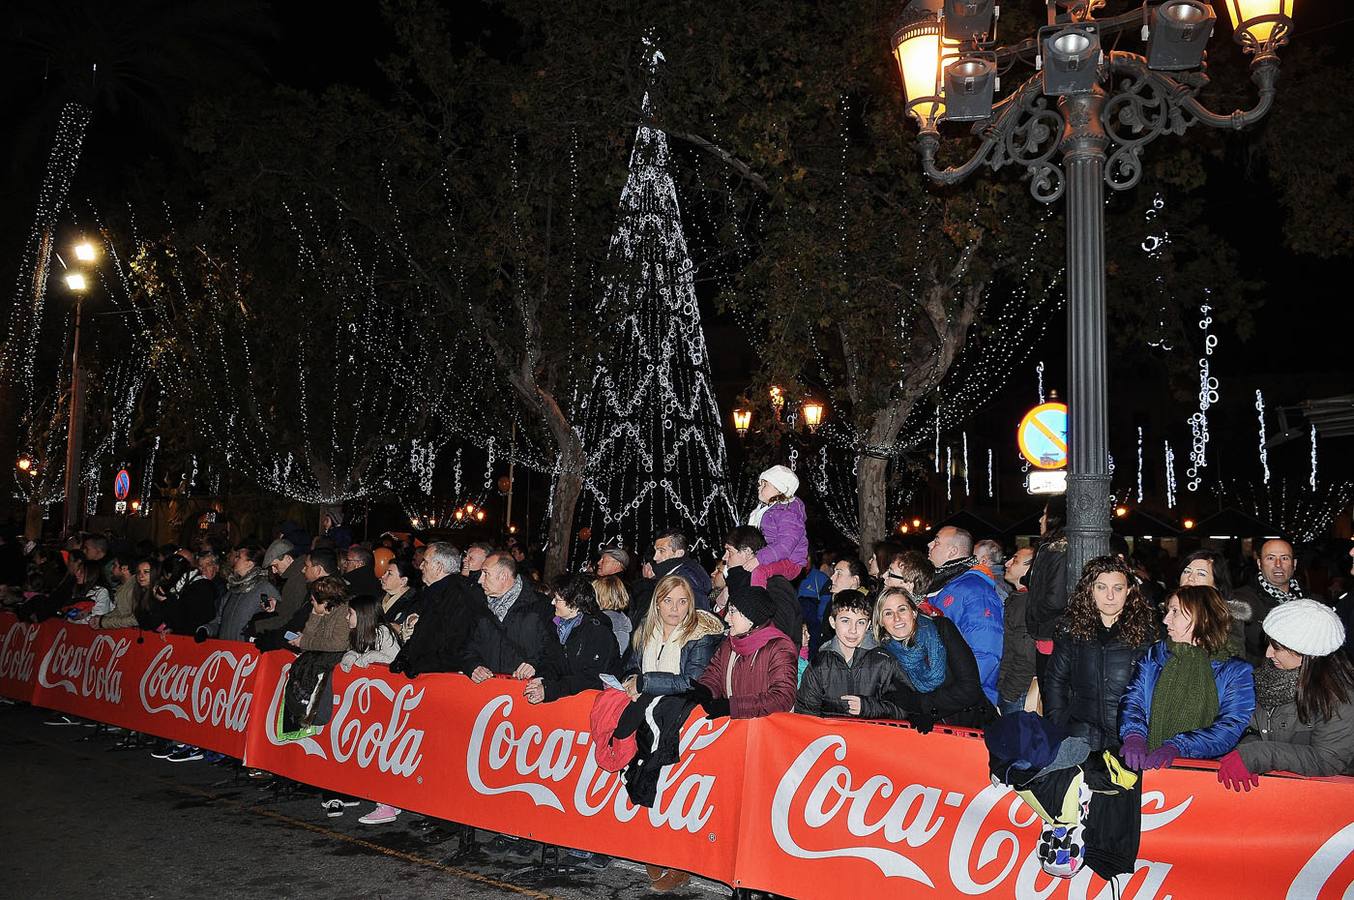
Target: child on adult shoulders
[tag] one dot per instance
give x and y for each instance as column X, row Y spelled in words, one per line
column 780, row 515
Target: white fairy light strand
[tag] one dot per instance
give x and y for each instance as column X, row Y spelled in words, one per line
column 966, row 485
column 1264, row 450
column 1170, row 476
column 1208, row 395
column 1312, row 481
column 1139, row 464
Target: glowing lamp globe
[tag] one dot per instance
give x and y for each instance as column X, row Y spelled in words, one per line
column 742, row 420
column 813, row 414
column 917, row 50
column 1260, row 24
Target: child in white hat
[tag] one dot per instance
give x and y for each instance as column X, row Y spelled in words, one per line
column 780, row 515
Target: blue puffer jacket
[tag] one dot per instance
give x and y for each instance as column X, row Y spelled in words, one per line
column 972, row 603
column 1236, row 701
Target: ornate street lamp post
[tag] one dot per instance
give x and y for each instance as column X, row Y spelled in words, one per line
column 1078, row 123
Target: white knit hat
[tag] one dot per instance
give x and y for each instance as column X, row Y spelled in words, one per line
column 1308, row 627
column 782, row 479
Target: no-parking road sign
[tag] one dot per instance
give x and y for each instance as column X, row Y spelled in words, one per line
column 1043, row 436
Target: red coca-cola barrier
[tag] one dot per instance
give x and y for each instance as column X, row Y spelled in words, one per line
column 164, row 685
column 801, row 806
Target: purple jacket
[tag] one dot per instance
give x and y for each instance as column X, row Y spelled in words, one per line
column 783, row 528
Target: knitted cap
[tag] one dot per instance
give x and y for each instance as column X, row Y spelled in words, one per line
column 1308, row 627
column 782, row 479
column 754, row 603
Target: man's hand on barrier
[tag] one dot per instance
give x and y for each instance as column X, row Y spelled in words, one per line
column 524, row 671
column 481, row 675
column 534, row 691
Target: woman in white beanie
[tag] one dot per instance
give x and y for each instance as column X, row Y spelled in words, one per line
column 1304, row 691
column 780, row 515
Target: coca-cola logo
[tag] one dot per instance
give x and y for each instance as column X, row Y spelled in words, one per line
column 210, row 692
column 356, row 734
column 90, row 671
column 814, row 802
column 539, row 764
column 16, row 652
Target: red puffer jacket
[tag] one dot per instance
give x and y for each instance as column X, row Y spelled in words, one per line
column 761, row 666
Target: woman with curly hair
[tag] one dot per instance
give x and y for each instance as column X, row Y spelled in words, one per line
column 1107, row 628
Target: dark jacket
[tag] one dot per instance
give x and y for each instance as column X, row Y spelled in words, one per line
column 1277, row 740
column 448, row 612
column 292, row 597
column 869, row 675
column 526, row 635
column 1260, row 603
column 195, row 605
column 364, row 582
column 960, row 699
column 763, row 681
column 1047, row 599
column 1084, row 684
column 1236, row 701
column 1017, row 655
column 641, row 592
column 589, row 651
column 696, row 655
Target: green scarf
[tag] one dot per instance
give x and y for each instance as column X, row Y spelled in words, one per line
column 1186, row 696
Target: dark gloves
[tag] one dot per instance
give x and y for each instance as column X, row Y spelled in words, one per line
column 200, row 635
column 1134, row 752
column 921, row 721
column 1232, row 773
column 714, row 707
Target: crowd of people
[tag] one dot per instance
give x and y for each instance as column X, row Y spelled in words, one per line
column 1257, row 676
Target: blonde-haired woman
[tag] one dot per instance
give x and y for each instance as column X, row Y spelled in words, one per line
column 674, row 641
column 613, row 599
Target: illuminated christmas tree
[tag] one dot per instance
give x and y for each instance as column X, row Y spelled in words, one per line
column 650, row 425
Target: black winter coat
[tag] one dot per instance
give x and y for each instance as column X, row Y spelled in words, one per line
column 1048, row 590
column 589, row 651
column 960, row 699
column 526, row 635
column 448, row 612
column 1084, row 683
column 870, row 674
column 363, row 582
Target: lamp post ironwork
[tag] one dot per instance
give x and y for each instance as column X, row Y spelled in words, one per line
column 1079, row 123
column 78, row 284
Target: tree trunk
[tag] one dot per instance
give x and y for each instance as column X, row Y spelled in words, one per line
column 872, row 501
column 564, row 494
column 9, row 442
column 33, row 522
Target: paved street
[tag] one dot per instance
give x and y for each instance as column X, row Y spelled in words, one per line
column 81, row 820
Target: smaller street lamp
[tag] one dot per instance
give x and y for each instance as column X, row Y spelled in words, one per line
column 77, row 282
column 813, row 415
column 742, row 420
column 86, row 252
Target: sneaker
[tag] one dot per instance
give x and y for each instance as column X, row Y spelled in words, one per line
column 259, row 774
column 585, row 860
column 383, row 814
column 333, row 807
column 212, row 756
column 166, row 750
column 185, row 754
column 63, row 720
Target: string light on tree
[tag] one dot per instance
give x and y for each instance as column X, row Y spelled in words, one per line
column 991, row 485
column 966, row 489
column 1139, row 464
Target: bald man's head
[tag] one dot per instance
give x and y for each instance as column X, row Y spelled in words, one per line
column 1277, row 563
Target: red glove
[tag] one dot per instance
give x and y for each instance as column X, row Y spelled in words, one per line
column 1232, row 773
column 1160, row 758
column 1134, row 751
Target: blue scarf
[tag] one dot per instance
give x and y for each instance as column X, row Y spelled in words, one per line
column 924, row 660
column 565, row 627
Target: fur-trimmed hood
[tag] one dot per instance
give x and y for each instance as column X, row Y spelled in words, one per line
column 707, row 623
column 1241, row 610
